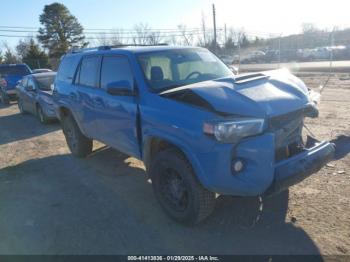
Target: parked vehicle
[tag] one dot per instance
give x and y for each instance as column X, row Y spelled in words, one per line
column 35, row 96
column 10, row 74
column 271, row 56
column 199, row 129
column 253, row 57
column 41, row 70
column 227, row 59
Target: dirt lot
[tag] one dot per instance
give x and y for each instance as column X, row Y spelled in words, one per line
column 53, row 203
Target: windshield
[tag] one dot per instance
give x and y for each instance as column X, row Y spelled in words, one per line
column 172, row 68
column 45, row 82
column 14, row 71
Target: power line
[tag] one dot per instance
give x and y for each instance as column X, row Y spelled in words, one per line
column 30, row 29
column 107, row 33
column 106, row 38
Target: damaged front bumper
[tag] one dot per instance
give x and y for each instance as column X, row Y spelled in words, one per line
column 262, row 173
column 295, row 169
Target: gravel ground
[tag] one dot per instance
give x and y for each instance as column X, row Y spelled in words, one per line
column 53, row 203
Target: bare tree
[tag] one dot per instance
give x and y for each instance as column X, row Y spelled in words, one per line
column 117, row 37
column 102, row 39
column 204, row 40
column 309, row 28
column 172, row 40
column 187, row 37
column 141, row 34
column 154, row 38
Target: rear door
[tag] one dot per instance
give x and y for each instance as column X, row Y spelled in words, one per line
column 29, row 96
column 86, row 96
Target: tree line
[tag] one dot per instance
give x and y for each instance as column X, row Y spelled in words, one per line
column 61, row 31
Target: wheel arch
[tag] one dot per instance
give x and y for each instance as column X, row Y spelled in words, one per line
column 154, row 144
column 64, row 111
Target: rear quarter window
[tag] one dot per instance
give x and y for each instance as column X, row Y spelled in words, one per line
column 67, row 68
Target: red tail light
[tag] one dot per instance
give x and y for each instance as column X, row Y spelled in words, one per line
column 3, row 82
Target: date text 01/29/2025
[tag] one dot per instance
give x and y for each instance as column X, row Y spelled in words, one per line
column 173, row 258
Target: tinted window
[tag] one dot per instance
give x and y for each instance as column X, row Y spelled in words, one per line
column 178, row 67
column 45, row 81
column 31, row 82
column 67, row 68
column 24, row 81
column 116, row 70
column 14, row 70
column 88, row 74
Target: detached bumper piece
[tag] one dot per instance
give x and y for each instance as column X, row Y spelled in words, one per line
column 295, row 169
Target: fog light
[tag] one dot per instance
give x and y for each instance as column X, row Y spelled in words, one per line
column 237, row 165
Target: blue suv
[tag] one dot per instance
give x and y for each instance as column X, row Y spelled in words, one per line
column 10, row 75
column 200, row 130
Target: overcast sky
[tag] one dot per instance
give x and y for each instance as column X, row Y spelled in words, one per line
column 256, row 17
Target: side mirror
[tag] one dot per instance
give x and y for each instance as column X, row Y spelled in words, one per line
column 120, row 88
column 30, row 88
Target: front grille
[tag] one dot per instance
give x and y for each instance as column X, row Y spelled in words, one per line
column 288, row 134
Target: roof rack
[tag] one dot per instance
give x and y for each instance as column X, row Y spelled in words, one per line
column 109, row 47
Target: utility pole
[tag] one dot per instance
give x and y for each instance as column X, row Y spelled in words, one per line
column 279, row 51
column 331, row 52
column 225, row 34
column 214, row 21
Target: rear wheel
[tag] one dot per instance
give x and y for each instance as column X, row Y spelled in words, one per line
column 177, row 189
column 4, row 98
column 79, row 145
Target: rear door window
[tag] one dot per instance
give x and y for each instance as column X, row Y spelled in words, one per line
column 31, row 83
column 45, row 82
column 24, row 81
column 88, row 74
column 67, row 68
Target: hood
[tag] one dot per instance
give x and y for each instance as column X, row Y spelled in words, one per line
column 266, row 94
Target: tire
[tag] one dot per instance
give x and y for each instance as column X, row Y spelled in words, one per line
column 20, row 107
column 177, row 189
column 79, row 145
column 3, row 98
column 41, row 115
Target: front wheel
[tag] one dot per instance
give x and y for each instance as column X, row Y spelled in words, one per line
column 78, row 144
column 41, row 115
column 20, row 106
column 177, row 189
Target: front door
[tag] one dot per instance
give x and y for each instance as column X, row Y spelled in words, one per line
column 117, row 121
column 108, row 118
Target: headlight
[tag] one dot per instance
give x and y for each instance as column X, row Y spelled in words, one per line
column 233, row 131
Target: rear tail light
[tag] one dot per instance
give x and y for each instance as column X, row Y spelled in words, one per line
column 3, row 82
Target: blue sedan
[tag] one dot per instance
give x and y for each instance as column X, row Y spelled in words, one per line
column 35, row 96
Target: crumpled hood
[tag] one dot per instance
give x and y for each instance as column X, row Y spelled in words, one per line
column 266, row 94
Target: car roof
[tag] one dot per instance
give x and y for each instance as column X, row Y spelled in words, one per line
column 42, row 69
column 129, row 49
column 43, row 74
column 144, row 49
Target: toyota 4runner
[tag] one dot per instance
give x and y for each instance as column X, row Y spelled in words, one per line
column 200, row 130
